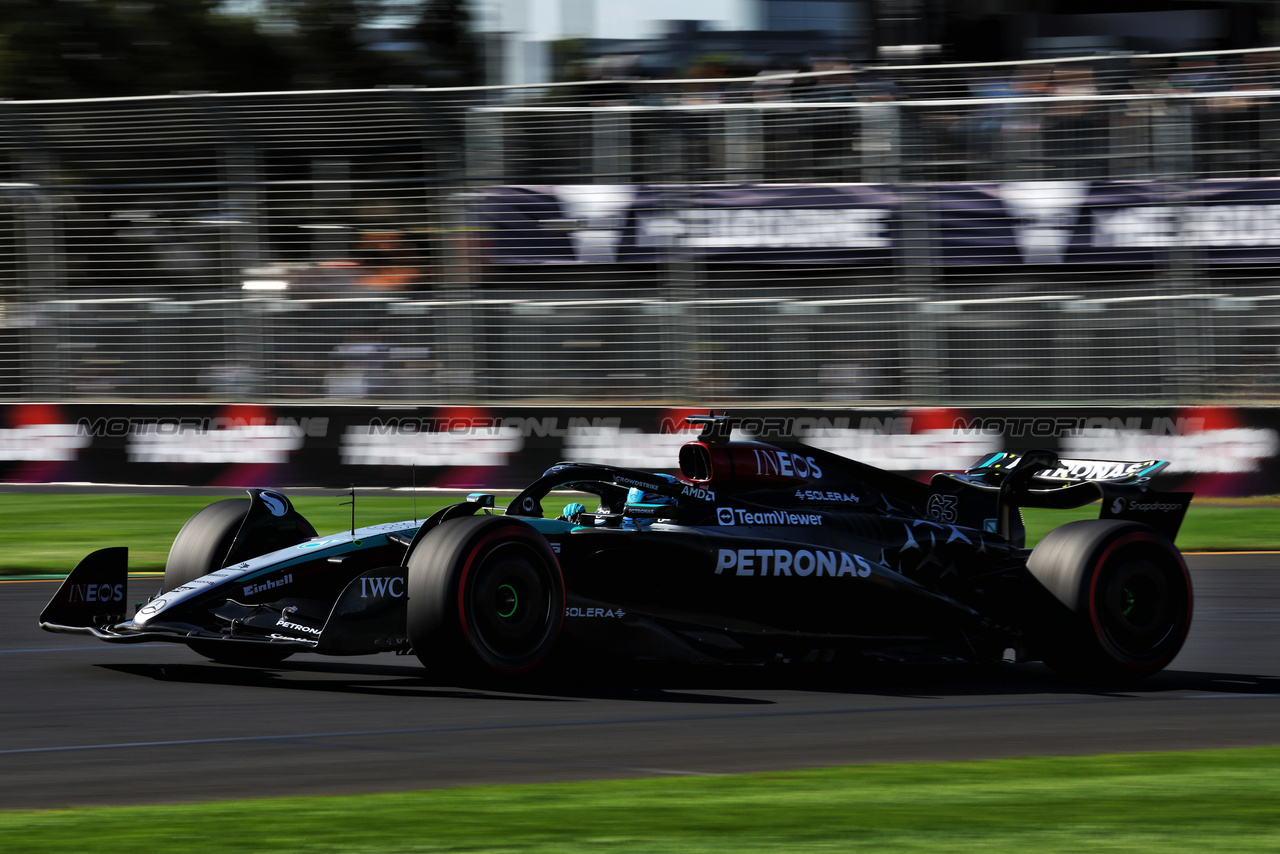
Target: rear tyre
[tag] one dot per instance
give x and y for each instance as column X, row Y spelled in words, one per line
column 486, row 597
column 200, row 548
column 1127, row 598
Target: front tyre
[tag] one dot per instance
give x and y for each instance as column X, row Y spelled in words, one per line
column 200, row 548
column 1127, row 598
column 486, row 596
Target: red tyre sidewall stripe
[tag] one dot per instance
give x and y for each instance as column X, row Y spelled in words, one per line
column 477, row 550
column 1094, row 617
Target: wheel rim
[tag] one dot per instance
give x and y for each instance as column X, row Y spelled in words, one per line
column 509, row 604
column 1139, row 610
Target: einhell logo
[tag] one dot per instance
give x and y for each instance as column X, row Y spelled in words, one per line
column 254, row 589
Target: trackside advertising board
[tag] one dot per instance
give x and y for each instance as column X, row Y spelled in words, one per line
column 1015, row 222
column 1212, row 450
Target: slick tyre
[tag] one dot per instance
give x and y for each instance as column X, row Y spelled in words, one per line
column 486, row 598
column 199, row 549
column 202, row 545
column 1126, row 600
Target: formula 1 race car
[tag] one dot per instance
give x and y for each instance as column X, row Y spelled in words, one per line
column 755, row 553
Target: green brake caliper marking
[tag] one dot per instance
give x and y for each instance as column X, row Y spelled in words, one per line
column 514, row 601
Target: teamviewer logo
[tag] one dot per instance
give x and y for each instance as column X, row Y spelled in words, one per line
column 724, row 515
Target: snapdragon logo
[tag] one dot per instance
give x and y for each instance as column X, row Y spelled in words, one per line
column 1134, row 505
column 787, row 562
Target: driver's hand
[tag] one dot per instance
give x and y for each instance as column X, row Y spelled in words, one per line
column 571, row 511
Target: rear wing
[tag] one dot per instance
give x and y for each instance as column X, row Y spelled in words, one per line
column 1041, row 479
column 1052, row 471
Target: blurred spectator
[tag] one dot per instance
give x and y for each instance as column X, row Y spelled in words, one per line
column 773, row 83
column 357, row 368
column 1225, row 121
column 389, row 261
column 850, row 377
column 1074, row 131
column 228, row 380
column 837, row 83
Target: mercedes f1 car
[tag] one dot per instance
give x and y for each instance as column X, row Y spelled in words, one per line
column 754, row 553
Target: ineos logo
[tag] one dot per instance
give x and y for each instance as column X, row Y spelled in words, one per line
column 96, row 593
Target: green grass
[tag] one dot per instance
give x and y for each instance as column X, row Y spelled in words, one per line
column 1214, row 524
column 1167, row 802
column 50, row 533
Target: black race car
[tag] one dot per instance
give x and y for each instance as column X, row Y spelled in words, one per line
column 755, row 553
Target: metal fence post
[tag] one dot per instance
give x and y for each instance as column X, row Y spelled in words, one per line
column 43, row 263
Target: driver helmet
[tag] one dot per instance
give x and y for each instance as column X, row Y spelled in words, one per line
column 642, row 508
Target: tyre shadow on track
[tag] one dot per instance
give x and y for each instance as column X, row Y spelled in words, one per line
column 692, row 684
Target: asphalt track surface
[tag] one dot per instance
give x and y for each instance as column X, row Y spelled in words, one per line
column 82, row 722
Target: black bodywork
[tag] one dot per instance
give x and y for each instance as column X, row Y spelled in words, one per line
column 755, row 553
